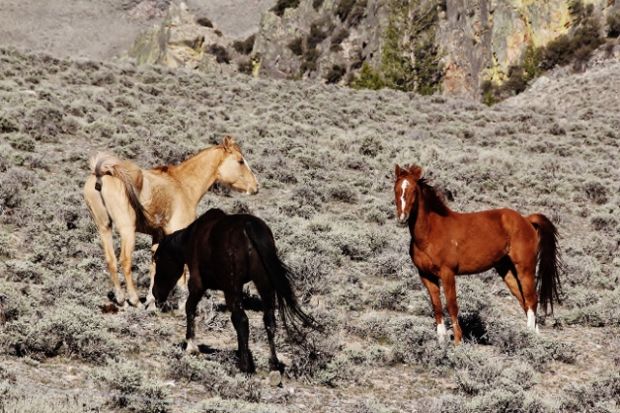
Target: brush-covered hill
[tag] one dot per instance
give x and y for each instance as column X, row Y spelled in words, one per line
column 324, row 156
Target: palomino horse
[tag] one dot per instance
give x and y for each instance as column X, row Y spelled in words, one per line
column 156, row 201
column 445, row 243
column 223, row 252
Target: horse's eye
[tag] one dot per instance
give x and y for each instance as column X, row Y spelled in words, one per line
column 241, row 161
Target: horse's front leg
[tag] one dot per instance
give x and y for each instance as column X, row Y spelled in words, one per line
column 150, row 298
column 449, row 286
column 431, row 283
column 195, row 295
column 183, row 289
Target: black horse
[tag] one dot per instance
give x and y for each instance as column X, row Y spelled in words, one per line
column 223, row 252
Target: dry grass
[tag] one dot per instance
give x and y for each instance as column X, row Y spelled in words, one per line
column 324, row 156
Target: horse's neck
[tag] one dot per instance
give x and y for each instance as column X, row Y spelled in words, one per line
column 419, row 222
column 179, row 242
column 198, row 173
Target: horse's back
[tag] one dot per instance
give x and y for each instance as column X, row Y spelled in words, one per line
column 225, row 247
column 236, row 229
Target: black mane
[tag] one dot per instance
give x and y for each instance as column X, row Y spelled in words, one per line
column 433, row 199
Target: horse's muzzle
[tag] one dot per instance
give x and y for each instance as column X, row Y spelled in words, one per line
column 402, row 219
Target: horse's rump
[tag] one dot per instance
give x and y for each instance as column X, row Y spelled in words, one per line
column 131, row 177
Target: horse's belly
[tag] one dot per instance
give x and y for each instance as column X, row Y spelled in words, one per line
column 479, row 261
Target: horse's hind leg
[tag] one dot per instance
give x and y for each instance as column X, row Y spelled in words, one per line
column 103, row 221
column 240, row 321
column 128, row 241
column 506, row 269
column 527, row 277
column 110, row 259
column 431, row 283
column 269, row 319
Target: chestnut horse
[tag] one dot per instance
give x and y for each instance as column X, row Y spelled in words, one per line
column 445, row 243
column 156, row 201
column 223, row 252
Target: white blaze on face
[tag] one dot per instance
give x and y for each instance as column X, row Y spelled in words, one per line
column 531, row 320
column 403, row 186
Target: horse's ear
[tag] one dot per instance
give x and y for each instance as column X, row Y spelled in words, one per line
column 416, row 171
column 398, row 171
column 228, row 142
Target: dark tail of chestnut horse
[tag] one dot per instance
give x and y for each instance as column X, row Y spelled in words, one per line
column 280, row 277
column 549, row 262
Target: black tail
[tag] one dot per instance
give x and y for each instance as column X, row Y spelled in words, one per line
column 281, row 278
column 549, row 262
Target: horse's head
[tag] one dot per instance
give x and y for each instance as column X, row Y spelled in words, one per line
column 168, row 269
column 405, row 190
column 234, row 170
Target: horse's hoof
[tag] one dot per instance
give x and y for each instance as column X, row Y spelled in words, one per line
column 275, row 378
column 191, row 347
column 149, row 302
column 119, row 298
column 247, row 366
column 150, row 306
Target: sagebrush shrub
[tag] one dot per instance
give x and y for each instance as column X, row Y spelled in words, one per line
column 214, row 377
column 536, row 349
column 313, row 356
column 296, row 46
column 613, row 24
column 596, row 192
column 131, row 390
column 235, row 406
column 220, row 53
column 71, row 330
column 335, row 74
column 415, row 341
column 245, row 46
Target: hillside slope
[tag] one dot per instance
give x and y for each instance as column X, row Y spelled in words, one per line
column 324, row 156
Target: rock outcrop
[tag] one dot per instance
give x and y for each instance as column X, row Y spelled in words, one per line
column 481, row 41
column 427, row 46
column 182, row 40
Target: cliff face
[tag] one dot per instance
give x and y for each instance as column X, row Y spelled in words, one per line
column 481, row 40
column 182, row 40
column 427, row 46
column 314, row 38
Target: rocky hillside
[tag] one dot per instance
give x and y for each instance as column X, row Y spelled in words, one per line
column 324, row 156
column 491, row 48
